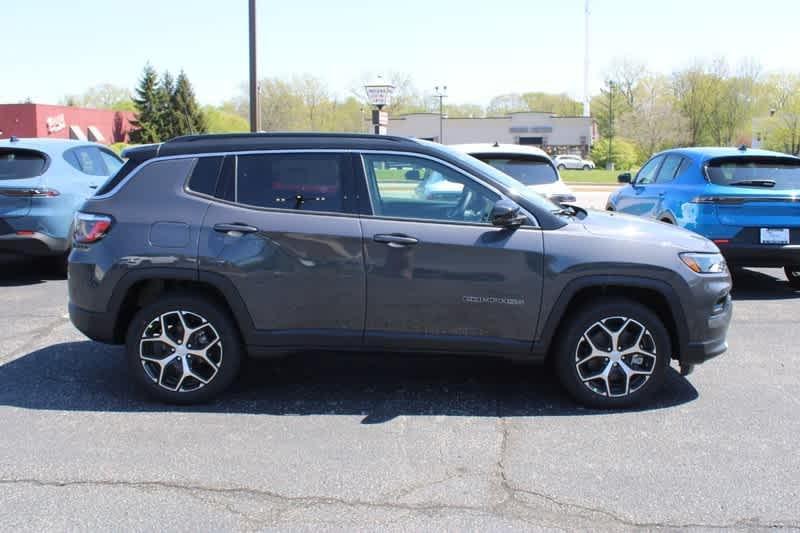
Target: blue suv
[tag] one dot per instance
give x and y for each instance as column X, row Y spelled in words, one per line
column 746, row 201
column 42, row 183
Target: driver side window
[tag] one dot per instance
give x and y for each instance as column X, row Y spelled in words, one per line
column 647, row 174
column 420, row 189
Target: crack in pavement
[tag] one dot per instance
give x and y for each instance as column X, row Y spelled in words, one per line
column 429, row 509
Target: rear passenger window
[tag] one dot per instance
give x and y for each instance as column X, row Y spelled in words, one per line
column 88, row 160
column 311, row 182
column 669, row 169
column 205, row 174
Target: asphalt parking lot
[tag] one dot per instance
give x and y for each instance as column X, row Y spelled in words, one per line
column 353, row 442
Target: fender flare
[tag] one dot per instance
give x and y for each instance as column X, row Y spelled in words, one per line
column 557, row 313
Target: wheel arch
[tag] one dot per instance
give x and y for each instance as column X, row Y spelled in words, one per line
column 656, row 295
column 141, row 287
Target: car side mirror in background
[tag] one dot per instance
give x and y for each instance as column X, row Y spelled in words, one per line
column 506, row 213
column 625, row 178
column 413, row 175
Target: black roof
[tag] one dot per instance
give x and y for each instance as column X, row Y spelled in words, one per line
column 242, row 142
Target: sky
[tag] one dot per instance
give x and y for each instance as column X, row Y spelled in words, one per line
column 479, row 49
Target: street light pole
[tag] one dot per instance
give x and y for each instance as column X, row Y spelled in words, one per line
column 441, row 95
column 255, row 116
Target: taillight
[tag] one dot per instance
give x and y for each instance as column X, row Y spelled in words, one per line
column 15, row 192
column 90, row 228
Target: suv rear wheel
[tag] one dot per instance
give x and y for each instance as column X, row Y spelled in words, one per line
column 613, row 354
column 793, row 275
column 183, row 349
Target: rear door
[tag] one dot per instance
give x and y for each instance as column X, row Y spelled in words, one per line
column 439, row 275
column 20, row 173
column 285, row 233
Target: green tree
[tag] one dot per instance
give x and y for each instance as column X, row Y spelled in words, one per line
column 220, row 120
column 558, row 104
column 621, row 152
column 186, row 113
column 146, row 126
column 783, row 126
column 168, row 118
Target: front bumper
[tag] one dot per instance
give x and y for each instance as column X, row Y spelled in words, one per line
column 35, row 244
column 760, row 255
column 711, row 336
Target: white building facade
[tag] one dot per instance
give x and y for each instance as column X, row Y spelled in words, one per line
column 552, row 133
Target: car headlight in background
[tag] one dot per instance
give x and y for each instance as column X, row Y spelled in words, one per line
column 705, row 263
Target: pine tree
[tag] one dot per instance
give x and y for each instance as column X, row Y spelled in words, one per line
column 188, row 115
column 148, row 109
column 168, row 119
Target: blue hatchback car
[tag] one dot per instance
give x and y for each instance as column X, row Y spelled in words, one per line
column 746, row 201
column 42, row 183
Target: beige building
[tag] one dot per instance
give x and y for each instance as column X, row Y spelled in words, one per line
column 552, row 133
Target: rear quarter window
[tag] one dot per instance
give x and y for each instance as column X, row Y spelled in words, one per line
column 205, row 175
column 21, row 164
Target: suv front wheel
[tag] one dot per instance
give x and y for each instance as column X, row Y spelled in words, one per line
column 183, row 349
column 613, row 354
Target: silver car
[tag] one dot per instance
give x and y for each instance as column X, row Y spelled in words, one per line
column 573, row 162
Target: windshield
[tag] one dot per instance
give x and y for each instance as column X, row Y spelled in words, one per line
column 760, row 172
column 20, row 164
column 504, row 180
column 528, row 170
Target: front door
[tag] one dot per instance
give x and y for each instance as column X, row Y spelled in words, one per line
column 640, row 197
column 286, row 237
column 439, row 276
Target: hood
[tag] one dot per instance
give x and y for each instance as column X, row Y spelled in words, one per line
column 557, row 187
column 635, row 229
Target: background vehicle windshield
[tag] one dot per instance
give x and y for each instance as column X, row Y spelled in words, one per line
column 497, row 176
column 526, row 170
column 767, row 172
column 20, row 164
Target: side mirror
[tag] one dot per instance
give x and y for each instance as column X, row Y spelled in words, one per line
column 413, row 175
column 625, row 178
column 506, row 213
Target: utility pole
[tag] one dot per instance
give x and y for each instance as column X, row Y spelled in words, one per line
column 255, row 115
column 586, row 104
column 441, row 95
column 611, row 89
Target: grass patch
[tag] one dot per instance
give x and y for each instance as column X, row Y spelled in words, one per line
column 602, row 177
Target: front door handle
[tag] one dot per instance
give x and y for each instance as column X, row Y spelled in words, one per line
column 395, row 240
column 235, row 227
column 93, row 186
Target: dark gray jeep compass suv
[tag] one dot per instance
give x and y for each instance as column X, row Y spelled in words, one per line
column 205, row 249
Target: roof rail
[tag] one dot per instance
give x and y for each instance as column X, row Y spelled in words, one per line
column 269, row 135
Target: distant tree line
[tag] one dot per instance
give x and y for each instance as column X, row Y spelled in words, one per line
column 638, row 112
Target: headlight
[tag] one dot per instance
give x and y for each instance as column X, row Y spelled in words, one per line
column 705, row 263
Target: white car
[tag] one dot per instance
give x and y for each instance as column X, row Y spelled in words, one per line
column 573, row 162
column 527, row 164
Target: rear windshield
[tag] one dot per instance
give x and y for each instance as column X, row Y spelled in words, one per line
column 756, row 172
column 18, row 164
column 525, row 169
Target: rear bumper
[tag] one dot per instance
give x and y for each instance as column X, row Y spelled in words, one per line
column 97, row 326
column 761, row 255
column 35, row 244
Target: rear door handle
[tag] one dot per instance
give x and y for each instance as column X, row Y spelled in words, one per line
column 395, row 239
column 93, row 186
column 235, row 227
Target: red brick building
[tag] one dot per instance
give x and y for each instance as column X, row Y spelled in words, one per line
column 64, row 122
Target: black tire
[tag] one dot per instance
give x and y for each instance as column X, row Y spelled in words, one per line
column 793, row 276
column 587, row 167
column 561, row 167
column 228, row 353
column 572, row 341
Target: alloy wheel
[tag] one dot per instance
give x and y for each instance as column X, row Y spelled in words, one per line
column 180, row 351
column 615, row 356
